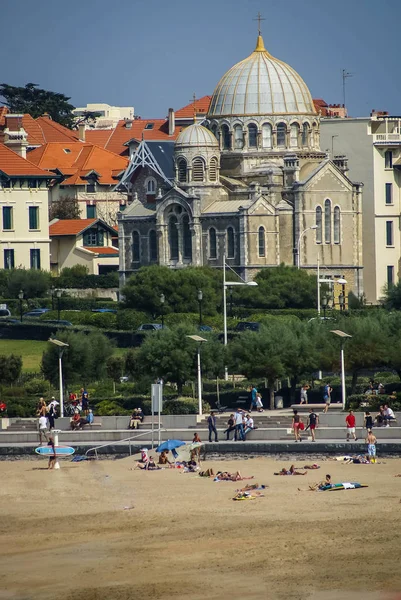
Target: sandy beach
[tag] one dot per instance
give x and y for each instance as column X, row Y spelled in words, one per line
column 100, row 531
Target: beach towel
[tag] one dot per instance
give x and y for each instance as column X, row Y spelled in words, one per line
column 343, row 486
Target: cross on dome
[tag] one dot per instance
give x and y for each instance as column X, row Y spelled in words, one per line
column 259, row 18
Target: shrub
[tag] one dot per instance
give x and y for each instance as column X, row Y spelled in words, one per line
column 37, row 387
column 129, row 320
column 108, row 408
column 183, row 406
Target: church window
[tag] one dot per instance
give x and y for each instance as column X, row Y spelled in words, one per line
column 187, row 237
column 337, row 225
column 212, row 243
column 327, row 221
column 198, row 169
column 135, row 247
column 230, row 243
column 225, row 132
column 173, row 237
column 266, row 135
column 238, row 137
column 213, row 169
column 319, row 222
column 305, row 134
column 252, row 136
column 294, row 134
column 151, row 186
column 281, row 135
column 182, row 170
column 152, row 245
column 261, row 242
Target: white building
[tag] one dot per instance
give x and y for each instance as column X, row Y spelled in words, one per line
column 373, row 147
column 109, row 115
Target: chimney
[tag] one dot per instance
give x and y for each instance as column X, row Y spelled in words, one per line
column 81, row 132
column 341, row 163
column 171, row 121
column 15, row 136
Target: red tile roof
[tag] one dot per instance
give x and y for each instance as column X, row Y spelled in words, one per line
column 12, row 163
column 77, row 159
column 201, row 106
column 70, row 226
column 100, row 137
column 103, row 250
column 3, row 111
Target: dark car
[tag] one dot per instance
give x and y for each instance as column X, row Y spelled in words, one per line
column 247, row 326
column 205, row 328
column 4, row 312
column 104, row 310
column 36, row 312
column 57, row 322
column 150, row 327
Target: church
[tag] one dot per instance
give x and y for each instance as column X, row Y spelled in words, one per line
column 248, row 185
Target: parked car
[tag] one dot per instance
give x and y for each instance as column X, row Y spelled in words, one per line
column 4, row 312
column 205, row 328
column 124, row 379
column 36, row 312
column 150, row 327
column 247, row 326
column 104, row 310
column 57, row 322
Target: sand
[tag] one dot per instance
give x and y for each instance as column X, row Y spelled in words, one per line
column 66, row 535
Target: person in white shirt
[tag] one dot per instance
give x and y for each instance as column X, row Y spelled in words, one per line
column 388, row 415
column 249, row 425
column 239, row 425
column 42, row 428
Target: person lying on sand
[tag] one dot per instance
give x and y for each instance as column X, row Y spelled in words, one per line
column 292, row 471
column 249, row 494
column 252, row 486
column 314, row 466
column 207, row 473
column 226, row 476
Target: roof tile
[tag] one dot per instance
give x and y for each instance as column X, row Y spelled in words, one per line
column 12, row 163
column 69, row 226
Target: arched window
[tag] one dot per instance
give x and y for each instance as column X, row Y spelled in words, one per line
column 173, row 237
column 327, row 221
column 182, row 170
column 319, row 225
column 305, row 134
column 337, row 225
column 294, row 135
column 252, row 136
column 186, row 238
column 281, row 135
column 151, row 186
column 198, row 169
column 214, row 130
column 238, row 137
column 213, row 169
column 136, row 251
column 314, row 135
column 212, row 243
column 225, row 132
column 266, row 135
column 230, row 243
column 152, row 245
column 261, row 242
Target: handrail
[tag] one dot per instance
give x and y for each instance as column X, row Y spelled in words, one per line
column 95, row 448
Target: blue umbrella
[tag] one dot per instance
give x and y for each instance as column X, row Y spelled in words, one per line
column 169, row 445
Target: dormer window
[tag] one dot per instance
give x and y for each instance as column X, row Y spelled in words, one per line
column 94, row 237
column 91, row 187
column 67, row 150
column 149, row 125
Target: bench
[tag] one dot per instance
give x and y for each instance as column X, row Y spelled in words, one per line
column 91, row 425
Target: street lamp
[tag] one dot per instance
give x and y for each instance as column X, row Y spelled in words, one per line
column 200, row 298
column 231, row 301
column 341, row 298
column 343, row 337
column 225, row 285
column 299, row 244
column 162, row 301
column 52, row 295
column 58, row 294
column 61, row 347
column 21, row 297
column 327, row 302
column 200, row 340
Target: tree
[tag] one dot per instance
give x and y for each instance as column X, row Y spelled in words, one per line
column 64, row 208
column 392, row 296
column 115, row 369
column 10, row 368
column 33, row 282
column 88, row 116
column 35, row 101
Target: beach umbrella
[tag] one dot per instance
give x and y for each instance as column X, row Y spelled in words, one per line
column 195, row 445
column 169, row 445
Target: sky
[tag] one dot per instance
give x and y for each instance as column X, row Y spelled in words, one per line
column 155, row 54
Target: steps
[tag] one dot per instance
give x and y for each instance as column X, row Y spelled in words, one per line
column 23, row 425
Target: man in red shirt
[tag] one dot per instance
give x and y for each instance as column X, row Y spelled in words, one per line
column 350, row 421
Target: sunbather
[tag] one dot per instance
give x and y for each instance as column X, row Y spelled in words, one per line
column 291, row 471
column 149, row 466
column 314, row 466
column 226, row 476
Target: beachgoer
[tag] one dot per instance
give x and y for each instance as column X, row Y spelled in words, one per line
column 42, row 408
column 249, row 424
column 144, row 455
column 51, row 413
column 52, row 457
column 211, row 423
column 291, row 471
column 351, row 421
column 134, row 420
column 226, row 476
column 313, row 422
column 296, row 426
column 75, row 421
column 231, row 426
column 388, row 415
column 163, row 459
column 196, row 439
column 207, row 473
column 150, row 465
column 368, row 420
column 304, row 394
column 253, row 391
column 259, row 403
column 85, row 402
column 239, row 426
column 42, row 428
column 327, row 396
column 379, row 418
column 371, row 442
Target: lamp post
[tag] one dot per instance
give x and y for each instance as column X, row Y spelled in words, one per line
column 231, row 301
column 61, row 347
column 200, row 298
column 341, row 298
column 343, row 337
column 52, row 295
column 20, row 297
column 162, row 301
column 299, row 244
column 58, row 294
column 200, row 340
column 225, row 285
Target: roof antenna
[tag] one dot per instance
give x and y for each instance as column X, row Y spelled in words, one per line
column 194, row 103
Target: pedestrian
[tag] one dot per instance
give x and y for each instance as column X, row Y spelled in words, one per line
column 350, row 421
column 259, row 403
column 231, row 427
column 368, row 420
column 52, row 412
column 296, row 426
column 211, row 422
column 85, row 402
column 52, row 457
column 327, row 396
column 371, row 442
column 239, row 426
column 253, row 392
column 42, row 428
column 304, row 394
column 313, row 421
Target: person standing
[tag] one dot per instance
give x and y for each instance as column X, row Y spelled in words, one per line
column 85, row 402
column 231, row 427
column 211, row 422
column 239, row 426
column 350, row 421
column 313, row 421
column 304, row 394
column 253, row 392
column 52, row 457
column 42, row 428
column 368, row 421
column 296, row 426
column 371, row 442
column 327, row 396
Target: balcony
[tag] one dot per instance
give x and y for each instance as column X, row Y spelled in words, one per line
column 387, row 138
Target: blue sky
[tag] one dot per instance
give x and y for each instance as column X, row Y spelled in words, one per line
column 153, row 54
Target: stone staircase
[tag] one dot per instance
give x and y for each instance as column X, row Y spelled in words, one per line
column 23, row 425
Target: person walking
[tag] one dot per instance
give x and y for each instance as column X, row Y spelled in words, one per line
column 253, row 392
column 313, row 421
column 304, row 394
column 327, row 396
column 296, row 426
column 211, row 422
column 231, row 427
column 350, row 421
column 239, row 425
column 371, row 442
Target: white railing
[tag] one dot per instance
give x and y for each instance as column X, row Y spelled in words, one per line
column 96, row 448
column 387, row 137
